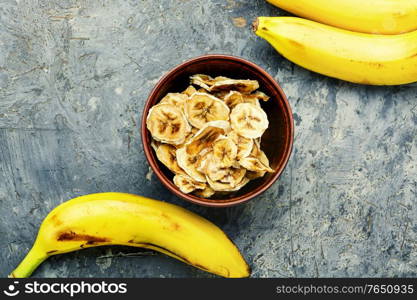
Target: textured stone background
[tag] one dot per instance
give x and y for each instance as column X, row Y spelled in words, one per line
column 74, row 76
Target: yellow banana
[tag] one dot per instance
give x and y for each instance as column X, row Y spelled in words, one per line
column 351, row 56
column 125, row 219
column 368, row 16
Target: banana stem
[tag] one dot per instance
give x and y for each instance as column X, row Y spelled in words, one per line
column 32, row 260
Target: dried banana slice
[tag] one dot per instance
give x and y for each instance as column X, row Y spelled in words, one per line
column 190, row 164
column 206, row 193
column 241, row 184
column 220, row 78
column 225, row 125
column 203, row 91
column 258, row 153
column 167, row 155
column 206, row 81
column 226, row 187
column 216, row 172
column 186, row 184
column 244, row 145
column 253, row 175
column 257, row 163
column 264, row 160
column 256, row 150
column 205, row 138
column 225, row 151
column 248, row 120
column 176, row 99
column 189, row 91
column 202, row 80
column 188, row 138
column 255, row 97
column 261, row 96
column 221, row 95
column 167, row 124
column 233, row 98
column 252, row 100
column 155, row 144
column 202, row 108
column 234, row 176
column 241, row 85
column 202, row 162
column 191, row 134
column 254, row 164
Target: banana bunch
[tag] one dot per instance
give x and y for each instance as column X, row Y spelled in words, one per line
column 210, row 137
column 131, row 220
column 359, row 56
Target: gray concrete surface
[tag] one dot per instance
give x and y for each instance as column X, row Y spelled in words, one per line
column 74, row 76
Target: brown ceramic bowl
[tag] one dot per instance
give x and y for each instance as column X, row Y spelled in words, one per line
column 277, row 140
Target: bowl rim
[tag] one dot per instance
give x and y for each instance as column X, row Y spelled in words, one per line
column 167, row 182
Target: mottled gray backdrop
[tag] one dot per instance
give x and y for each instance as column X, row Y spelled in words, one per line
column 74, row 76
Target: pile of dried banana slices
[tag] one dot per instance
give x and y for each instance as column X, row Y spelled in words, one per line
column 210, row 137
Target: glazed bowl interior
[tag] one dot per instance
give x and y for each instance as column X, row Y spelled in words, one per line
column 276, row 142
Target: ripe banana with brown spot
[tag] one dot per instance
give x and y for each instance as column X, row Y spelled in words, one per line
column 347, row 55
column 131, row 220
